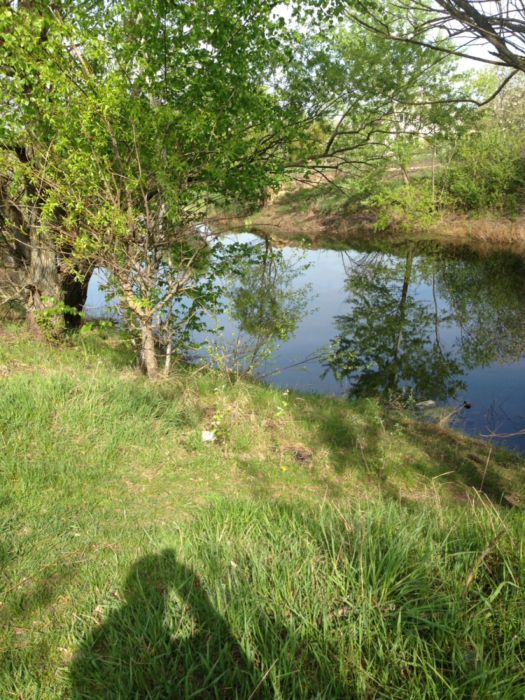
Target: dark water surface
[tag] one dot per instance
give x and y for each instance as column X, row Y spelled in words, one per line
column 413, row 322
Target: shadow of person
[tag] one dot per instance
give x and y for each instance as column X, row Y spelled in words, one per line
column 166, row 641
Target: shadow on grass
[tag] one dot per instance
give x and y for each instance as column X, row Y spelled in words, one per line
column 135, row 654
column 469, row 463
column 353, row 445
column 357, row 440
column 329, row 606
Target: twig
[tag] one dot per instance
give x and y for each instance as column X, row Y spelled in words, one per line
column 519, row 433
column 486, row 467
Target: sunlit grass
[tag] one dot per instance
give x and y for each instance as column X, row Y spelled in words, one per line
column 316, row 549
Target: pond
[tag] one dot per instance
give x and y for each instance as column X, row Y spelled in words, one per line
column 411, row 322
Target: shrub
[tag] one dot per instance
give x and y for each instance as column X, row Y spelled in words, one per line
column 487, row 172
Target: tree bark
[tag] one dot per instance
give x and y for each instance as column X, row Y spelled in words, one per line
column 38, row 280
column 43, row 292
column 169, row 353
column 149, row 360
column 75, row 295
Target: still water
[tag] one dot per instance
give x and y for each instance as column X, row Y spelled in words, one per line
column 410, row 322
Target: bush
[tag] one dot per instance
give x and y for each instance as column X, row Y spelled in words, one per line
column 487, row 172
column 405, row 207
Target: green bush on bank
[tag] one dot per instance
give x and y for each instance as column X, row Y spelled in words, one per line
column 405, row 207
column 482, row 173
column 486, row 172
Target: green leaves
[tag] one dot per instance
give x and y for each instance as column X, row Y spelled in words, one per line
column 135, row 117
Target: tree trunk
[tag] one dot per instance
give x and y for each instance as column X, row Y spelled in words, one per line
column 41, row 282
column 433, row 173
column 43, row 293
column 149, row 361
column 169, row 353
column 45, row 288
column 75, row 295
column 38, row 283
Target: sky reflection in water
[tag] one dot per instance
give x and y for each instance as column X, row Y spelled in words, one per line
column 434, row 322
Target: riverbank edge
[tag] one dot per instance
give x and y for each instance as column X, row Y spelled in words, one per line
column 391, row 444
column 318, row 229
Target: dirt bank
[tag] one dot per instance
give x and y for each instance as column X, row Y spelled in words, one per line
column 283, row 224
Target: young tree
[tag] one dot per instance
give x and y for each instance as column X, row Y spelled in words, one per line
column 373, row 99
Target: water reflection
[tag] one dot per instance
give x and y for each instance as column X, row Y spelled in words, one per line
column 389, row 342
column 265, row 302
column 486, row 295
column 423, row 320
column 439, row 323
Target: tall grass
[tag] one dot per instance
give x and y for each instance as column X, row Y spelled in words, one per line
column 286, row 602
column 312, row 552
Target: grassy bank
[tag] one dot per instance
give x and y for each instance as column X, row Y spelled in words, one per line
column 326, row 214
column 317, row 549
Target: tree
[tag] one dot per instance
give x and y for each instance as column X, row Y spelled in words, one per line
column 499, row 24
column 452, row 27
column 372, row 98
column 139, row 115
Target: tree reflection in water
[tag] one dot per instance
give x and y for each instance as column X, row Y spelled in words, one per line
column 266, row 305
column 390, row 341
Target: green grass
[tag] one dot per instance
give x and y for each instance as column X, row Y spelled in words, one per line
column 325, row 198
column 319, row 549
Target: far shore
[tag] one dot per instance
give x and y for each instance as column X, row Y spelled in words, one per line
column 314, row 228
